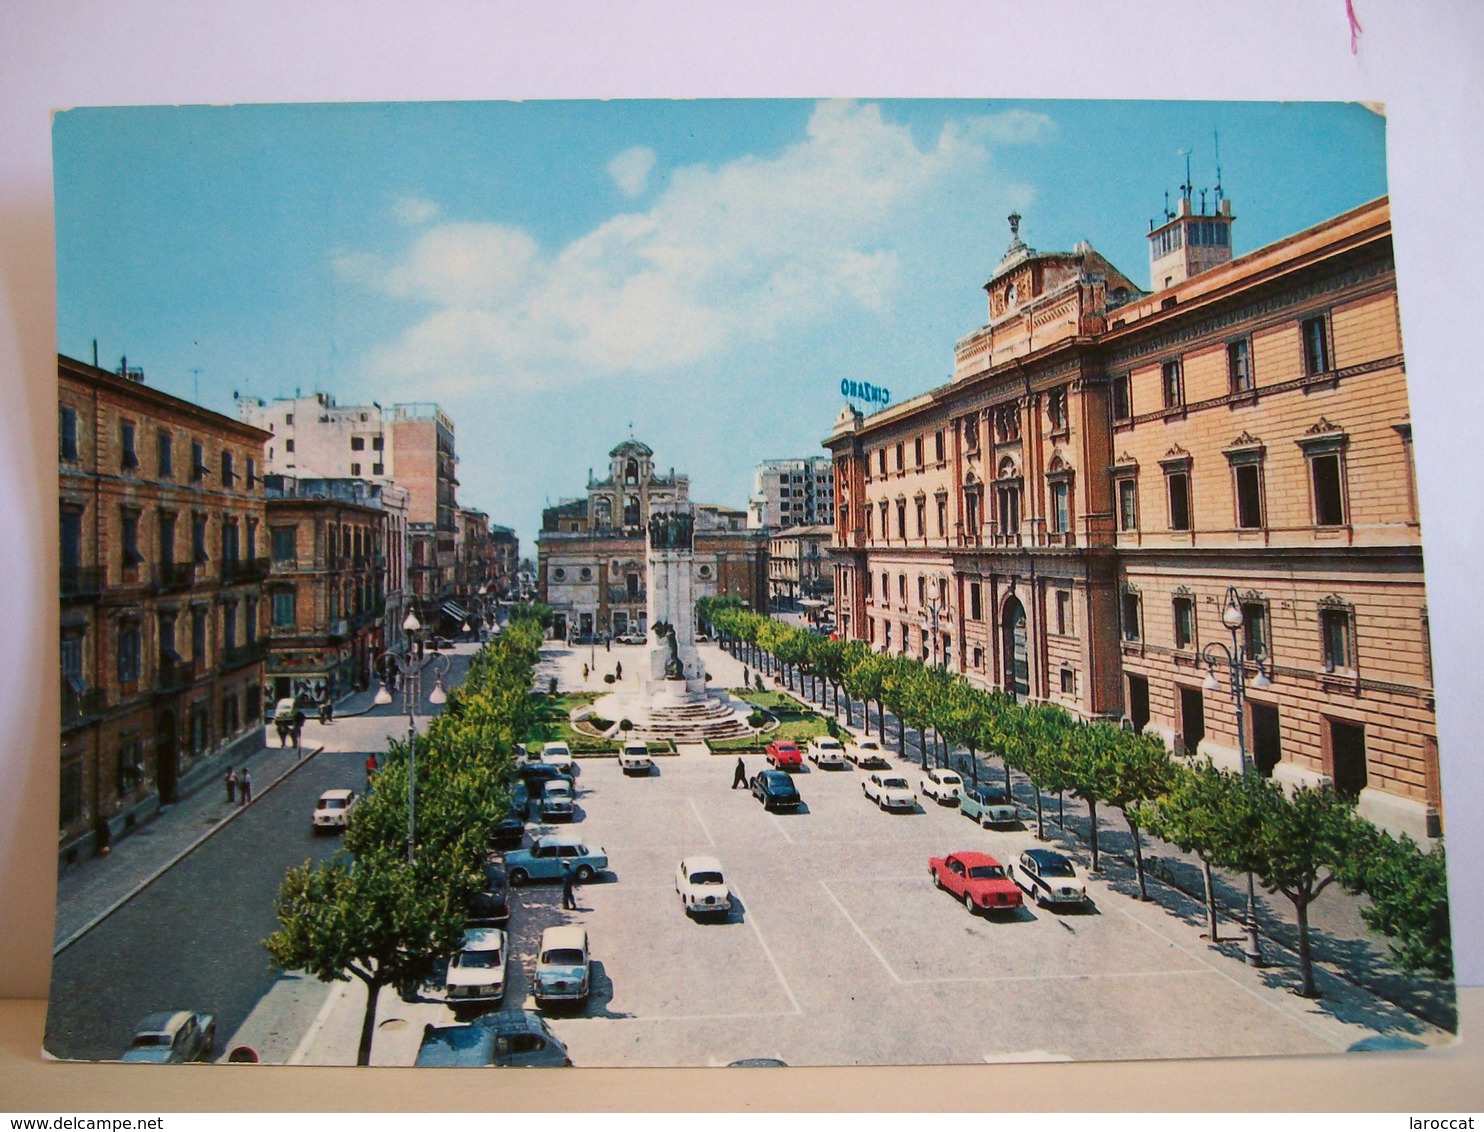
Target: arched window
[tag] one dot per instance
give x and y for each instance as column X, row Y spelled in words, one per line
column 631, row 511
column 631, row 471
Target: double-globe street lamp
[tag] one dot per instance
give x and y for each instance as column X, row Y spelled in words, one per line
column 411, row 673
column 1235, row 660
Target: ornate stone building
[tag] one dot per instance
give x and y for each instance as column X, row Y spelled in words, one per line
column 1065, row 519
column 164, row 552
column 590, row 553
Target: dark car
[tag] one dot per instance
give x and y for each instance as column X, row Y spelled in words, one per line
column 775, row 789
column 512, row 1038
column 509, row 832
column 491, row 904
column 171, row 1036
column 535, row 775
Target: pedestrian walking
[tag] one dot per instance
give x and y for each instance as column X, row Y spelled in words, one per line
column 370, row 768
column 329, row 710
column 739, row 776
column 569, row 898
column 282, row 726
column 231, row 786
column 323, row 706
column 585, row 673
column 618, row 671
column 244, row 786
column 607, row 643
column 298, row 732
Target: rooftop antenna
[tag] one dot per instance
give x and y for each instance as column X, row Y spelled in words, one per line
column 1216, row 134
column 1203, row 202
column 1168, row 214
column 1185, row 188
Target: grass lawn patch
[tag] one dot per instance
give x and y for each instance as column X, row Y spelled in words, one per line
column 795, row 722
column 555, row 726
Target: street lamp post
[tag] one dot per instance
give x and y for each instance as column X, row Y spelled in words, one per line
column 930, row 623
column 1214, row 653
column 411, row 674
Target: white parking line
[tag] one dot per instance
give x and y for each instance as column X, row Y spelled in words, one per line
column 864, row 938
column 683, row 1017
column 700, row 821
column 751, row 918
column 774, row 819
column 333, row 999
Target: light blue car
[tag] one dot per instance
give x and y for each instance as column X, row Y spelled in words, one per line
column 987, row 806
column 544, row 860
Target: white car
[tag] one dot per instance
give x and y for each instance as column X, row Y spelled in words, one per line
column 557, row 754
column 333, row 809
column 634, row 758
column 824, row 751
column 703, row 890
column 477, row 973
column 563, row 970
column 867, row 754
column 633, row 639
column 941, row 785
column 890, row 792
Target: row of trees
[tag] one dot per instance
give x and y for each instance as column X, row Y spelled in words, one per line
column 1297, row 843
column 385, row 912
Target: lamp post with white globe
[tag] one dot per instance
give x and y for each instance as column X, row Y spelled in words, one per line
column 411, row 674
column 1235, row 661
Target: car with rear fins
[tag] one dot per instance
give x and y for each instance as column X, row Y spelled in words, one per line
column 977, row 879
column 987, row 805
column 827, row 751
column 1049, row 878
column 784, row 754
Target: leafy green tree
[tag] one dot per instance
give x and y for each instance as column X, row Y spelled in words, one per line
column 1302, row 842
column 1408, row 890
column 1092, row 767
column 1141, row 771
column 1190, row 814
column 865, row 680
column 376, row 918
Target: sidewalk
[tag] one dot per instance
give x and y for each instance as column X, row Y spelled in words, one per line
column 1342, row 946
column 90, row 890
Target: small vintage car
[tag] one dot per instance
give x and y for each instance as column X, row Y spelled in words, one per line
column 333, row 809
column 490, row 904
column 171, row 1036
column 826, row 751
column 702, row 888
column 941, row 785
column 889, row 792
column 867, row 754
column 1048, row 877
column 563, row 970
column 553, row 754
column 512, row 1038
column 784, row 754
column 775, row 790
column 977, row 879
column 557, row 800
column 544, row 860
column 634, row 757
column 476, row 975
column 987, row 805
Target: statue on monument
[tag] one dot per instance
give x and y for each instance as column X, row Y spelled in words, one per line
column 671, row 530
column 674, row 670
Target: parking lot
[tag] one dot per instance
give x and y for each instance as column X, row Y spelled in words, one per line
column 840, row 951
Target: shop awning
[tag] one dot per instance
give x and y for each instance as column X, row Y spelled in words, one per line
column 454, row 611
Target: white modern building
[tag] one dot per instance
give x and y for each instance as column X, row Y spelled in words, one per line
column 792, row 493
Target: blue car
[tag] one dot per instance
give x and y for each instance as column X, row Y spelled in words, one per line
column 544, row 860
column 516, row 1038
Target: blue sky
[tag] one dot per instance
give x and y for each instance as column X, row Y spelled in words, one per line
column 551, row 271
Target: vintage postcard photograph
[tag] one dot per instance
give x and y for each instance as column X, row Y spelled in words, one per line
column 739, row 583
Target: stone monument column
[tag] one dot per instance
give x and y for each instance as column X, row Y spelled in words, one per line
column 674, row 672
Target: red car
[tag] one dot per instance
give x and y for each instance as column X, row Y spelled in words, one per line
column 977, row 879
column 785, row 755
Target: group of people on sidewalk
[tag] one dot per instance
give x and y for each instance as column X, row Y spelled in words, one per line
column 239, row 786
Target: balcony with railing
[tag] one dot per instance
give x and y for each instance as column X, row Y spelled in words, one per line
column 622, row 594
column 239, row 656
column 236, row 570
column 81, row 581
column 170, row 576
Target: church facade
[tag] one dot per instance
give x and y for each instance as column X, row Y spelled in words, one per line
column 591, row 549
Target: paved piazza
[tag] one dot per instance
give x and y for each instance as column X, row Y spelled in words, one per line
column 842, row 952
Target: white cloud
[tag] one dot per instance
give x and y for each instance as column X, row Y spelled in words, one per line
column 726, row 255
column 414, row 210
column 630, row 169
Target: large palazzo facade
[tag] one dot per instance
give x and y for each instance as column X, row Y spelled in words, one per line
column 1109, row 468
